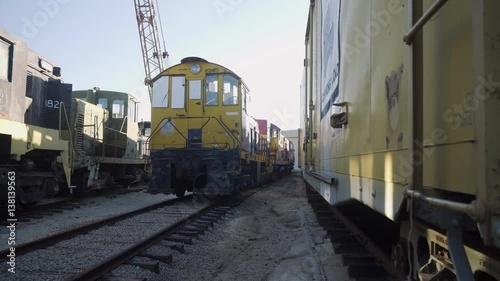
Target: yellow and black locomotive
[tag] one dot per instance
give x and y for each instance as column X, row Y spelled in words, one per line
column 203, row 139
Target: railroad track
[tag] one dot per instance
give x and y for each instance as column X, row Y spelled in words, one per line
column 61, row 236
column 364, row 259
column 93, row 251
column 49, row 207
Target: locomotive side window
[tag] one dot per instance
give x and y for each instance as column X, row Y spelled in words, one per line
column 256, row 141
column 178, row 91
column 195, row 89
column 103, row 103
column 132, row 110
column 118, row 109
column 245, row 93
column 5, row 60
column 211, row 90
column 230, row 90
column 160, row 92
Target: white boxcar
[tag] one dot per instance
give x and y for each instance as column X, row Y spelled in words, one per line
column 400, row 104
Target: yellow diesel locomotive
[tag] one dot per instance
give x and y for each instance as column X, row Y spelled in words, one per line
column 202, row 137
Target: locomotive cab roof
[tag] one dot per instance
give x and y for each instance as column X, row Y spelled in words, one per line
column 193, row 59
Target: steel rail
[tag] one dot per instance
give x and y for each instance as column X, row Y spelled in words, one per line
column 61, row 236
column 118, row 259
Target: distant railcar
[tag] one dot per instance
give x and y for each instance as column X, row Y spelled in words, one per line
column 203, row 139
column 53, row 139
column 281, row 149
column 106, row 140
column 402, row 117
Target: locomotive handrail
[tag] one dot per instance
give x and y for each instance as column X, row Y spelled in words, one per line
column 408, row 38
column 62, row 108
column 221, row 124
column 170, row 121
column 476, row 209
column 111, row 129
column 96, row 118
column 208, row 120
column 123, row 124
column 153, row 132
column 158, row 128
column 228, row 131
column 224, row 126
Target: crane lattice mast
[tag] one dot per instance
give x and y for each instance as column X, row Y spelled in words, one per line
column 152, row 54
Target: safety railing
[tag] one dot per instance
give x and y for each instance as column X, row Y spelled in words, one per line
column 71, row 151
column 234, row 140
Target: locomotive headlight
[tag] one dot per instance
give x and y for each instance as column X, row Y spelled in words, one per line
column 195, row 68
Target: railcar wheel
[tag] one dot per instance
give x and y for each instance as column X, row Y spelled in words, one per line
column 82, row 180
column 180, row 191
column 399, row 257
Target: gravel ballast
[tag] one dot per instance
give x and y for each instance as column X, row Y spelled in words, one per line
column 271, row 236
column 92, row 209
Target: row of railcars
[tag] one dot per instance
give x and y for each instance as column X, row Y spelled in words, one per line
column 399, row 116
column 55, row 139
column 204, row 140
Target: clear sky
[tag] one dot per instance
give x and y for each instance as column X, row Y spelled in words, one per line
column 96, row 43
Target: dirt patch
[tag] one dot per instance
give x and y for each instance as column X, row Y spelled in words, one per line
column 273, row 235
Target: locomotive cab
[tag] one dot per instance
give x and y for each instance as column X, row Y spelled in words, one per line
column 107, row 122
column 121, row 122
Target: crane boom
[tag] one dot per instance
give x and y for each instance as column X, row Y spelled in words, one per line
column 152, row 54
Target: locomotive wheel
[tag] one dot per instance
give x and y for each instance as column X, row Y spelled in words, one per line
column 399, row 256
column 81, row 183
column 180, row 191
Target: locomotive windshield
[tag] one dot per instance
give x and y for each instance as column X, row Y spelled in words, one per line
column 160, row 92
column 103, row 102
column 245, row 93
column 118, row 109
column 178, row 91
column 211, row 90
column 230, row 96
column 4, row 60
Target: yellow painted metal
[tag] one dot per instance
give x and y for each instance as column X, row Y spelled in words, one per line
column 222, row 124
column 26, row 138
column 449, row 82
column 371, row 158
column 373, row 81
column 489, row 173
column 461, row 86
